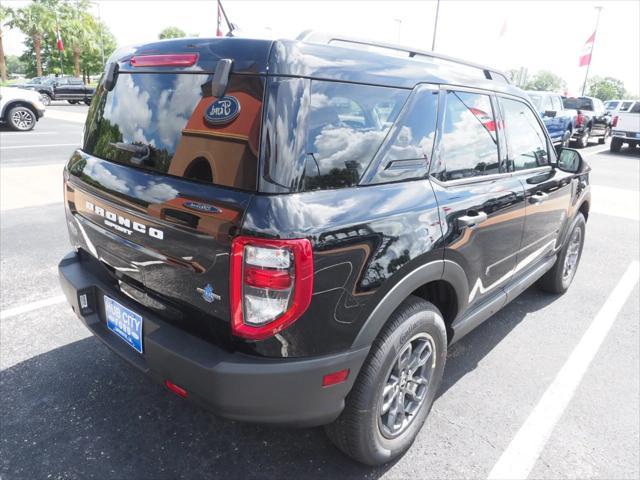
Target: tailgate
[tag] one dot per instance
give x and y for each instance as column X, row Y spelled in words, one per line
column 166, row 240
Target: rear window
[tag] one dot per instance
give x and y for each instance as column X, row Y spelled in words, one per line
column 346, row 126
column 156, row 122
column 578, row 103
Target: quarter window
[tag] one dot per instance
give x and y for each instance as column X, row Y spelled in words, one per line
column 347, row 124
column 469, row 146
column 407, row 152
column 525, row 137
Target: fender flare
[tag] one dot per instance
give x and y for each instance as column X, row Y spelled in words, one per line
column 429, row 272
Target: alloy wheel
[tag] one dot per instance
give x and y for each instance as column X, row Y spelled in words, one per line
column 22, row 119
column 407, row 385
column 572, row 255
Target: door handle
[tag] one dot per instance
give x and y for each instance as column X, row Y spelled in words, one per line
column 472, row 220
column 538, row 197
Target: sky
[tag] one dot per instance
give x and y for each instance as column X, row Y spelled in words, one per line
column 535, row 34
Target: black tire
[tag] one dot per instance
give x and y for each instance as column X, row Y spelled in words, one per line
column 615, row 145
column 46, row 99
column 583, row 140
column 21, row 118
column 566, row 139
column 73, row 102
column 557, row 280
column 360, row 430
column 87, row 101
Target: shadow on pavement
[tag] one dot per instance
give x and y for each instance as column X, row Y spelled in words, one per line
column 80, row 412
column 464, row 356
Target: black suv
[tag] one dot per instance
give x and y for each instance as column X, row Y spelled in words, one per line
column 293, row 232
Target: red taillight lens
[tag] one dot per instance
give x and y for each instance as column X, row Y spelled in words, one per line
column 166, row 60
column 335, row 377
column 263, row 278
column 614, row 122
column 579, row 120
column 270, row 285
column 181, row 392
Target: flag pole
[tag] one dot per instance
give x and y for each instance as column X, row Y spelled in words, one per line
column 59, row 51
column 435, row 27
column 593, row 46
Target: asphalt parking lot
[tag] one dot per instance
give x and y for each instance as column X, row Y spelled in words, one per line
column 71, row 409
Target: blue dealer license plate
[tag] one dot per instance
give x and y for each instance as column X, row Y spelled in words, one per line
column 124, row 323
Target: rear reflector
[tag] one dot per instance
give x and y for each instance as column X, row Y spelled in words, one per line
column 614, row 123
column 167, row 60
column 335, row 377
column 181, row 392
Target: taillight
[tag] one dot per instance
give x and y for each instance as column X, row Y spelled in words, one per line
column 271, row 282
column 614, row 122
column 165, row 60
column 579, row 119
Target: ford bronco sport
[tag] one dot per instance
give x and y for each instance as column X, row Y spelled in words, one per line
column 293, row 232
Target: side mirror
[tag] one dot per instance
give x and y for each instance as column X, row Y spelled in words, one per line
column 550, row 113
column 569, row 160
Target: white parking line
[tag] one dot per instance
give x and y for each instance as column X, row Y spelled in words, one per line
column 29, row 134
column 595, row 152
column 14, row 147
column 520, row 456
column 29, row 307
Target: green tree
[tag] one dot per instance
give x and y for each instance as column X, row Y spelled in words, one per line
column 15, row 65
column 545, row 80
column 35, row 21
column 606, row 88
column 171, row 32
column 5, row 15
column 78, row 30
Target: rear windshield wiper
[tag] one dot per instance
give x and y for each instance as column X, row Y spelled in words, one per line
column 139, row 153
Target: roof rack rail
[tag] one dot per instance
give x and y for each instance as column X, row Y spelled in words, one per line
column 327, row 38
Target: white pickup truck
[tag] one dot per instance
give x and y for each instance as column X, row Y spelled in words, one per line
column 626, row 128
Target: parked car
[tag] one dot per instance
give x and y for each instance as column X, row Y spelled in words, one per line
column 618, row 105
column 626, row 128
column 592, row 119
column 559, row 121
column 20, row 109
column 314, row 227
column 71, row 89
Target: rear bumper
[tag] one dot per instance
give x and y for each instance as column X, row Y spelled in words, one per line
column 232, row 385
column 625, row 136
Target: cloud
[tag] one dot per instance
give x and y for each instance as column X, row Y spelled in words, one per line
column 99, row 173
column 130, row 110
column 155, row 192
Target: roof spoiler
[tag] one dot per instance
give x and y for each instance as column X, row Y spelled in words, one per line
column 312, row 36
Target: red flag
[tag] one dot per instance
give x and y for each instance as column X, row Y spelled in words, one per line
column 585, row 56
column 59, row 43
column 219, row 29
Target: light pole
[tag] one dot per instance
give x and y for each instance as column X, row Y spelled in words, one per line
column 435, row 27
column 399, row 20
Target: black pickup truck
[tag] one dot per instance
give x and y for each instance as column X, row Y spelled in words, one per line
column 67, row 88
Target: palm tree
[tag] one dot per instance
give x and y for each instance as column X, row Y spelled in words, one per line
column 79, row 31
column 4, row 17
column 34, row 20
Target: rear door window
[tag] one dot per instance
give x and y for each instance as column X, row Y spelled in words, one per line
column 469, row 146
column 346, row 126
column 527, row 143
column 157, row 122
